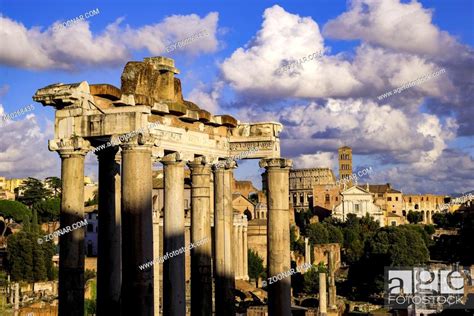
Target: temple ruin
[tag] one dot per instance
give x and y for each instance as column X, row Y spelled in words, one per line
column 156, row 125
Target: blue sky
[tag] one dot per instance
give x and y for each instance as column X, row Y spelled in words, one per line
column 420, row 140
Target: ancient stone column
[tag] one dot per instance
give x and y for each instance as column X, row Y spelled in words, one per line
column 307, row 251
column 224, row 244
column 201, row 284
column 156, row 253
column 322, row 294
column 332, row 281
column 240, row 245
column 246, row 270
column 236, row 250
column 174, row 291
column 109, row 264
column 137, row 230
column 278, row 234
column 71, row 244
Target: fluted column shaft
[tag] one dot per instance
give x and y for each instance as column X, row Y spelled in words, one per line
column 174, row 290
column 278, row 234
column 137, row 230
column 201, row 285
column 223, row 227
column 71, row 244
column 109, row 264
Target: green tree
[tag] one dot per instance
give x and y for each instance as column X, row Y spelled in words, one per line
column 13, row 211
column 54, row 183
column 302, row 219
column 335, row 234
column 20, row 257
column 34, row 191
column 94, row 200
column 448, row 220
column 253, row 197
column 317, row 233
column 28, row 259
column 311, row 278
column 414, row 217
column 296, row 244
column 48, row 210
column 255, row 266
column 388, row 247
column 90, row 304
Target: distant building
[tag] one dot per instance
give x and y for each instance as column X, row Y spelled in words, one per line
column 3, row 183
column 90, row 240
column 326, row 197
column 392, row 219
column 260, row 211
column 12, row 184
column 243, row 206
column 7, row 188
column 389, row 199
column 302, row 182
column 90, row 189
column 345, row 163
column 427, row 204
column 359, row 202
column 7, row 195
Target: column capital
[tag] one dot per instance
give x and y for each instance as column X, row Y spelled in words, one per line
column 140, row 141
column 271, row 163
column 67, row 147
column 221, row 165
column 173, row 159
column 199, row 162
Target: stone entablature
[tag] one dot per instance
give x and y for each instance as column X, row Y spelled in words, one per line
column 90, row 115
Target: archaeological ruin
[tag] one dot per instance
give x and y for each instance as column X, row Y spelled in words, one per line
column 132, row 129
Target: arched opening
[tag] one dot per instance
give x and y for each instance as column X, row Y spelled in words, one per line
column 248, row 214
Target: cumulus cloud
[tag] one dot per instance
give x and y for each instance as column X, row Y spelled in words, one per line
column 319, row 160
column 450, row 173
column 24, row 148
column 386, row 132
column 284, row 38
column 404, row 27
column 207, row 98
column 69, row 48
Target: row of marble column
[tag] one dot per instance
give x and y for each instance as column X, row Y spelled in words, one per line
column 126, row 235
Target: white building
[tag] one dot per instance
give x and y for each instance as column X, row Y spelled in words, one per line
column 358, row 201
column 92, row 229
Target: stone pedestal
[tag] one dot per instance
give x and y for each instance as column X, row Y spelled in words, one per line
column 109, row 264
column 71, row 251
column 201, row 284
column 278, row 236
column 223, row 227
column 174, row 291
column 137, row 242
